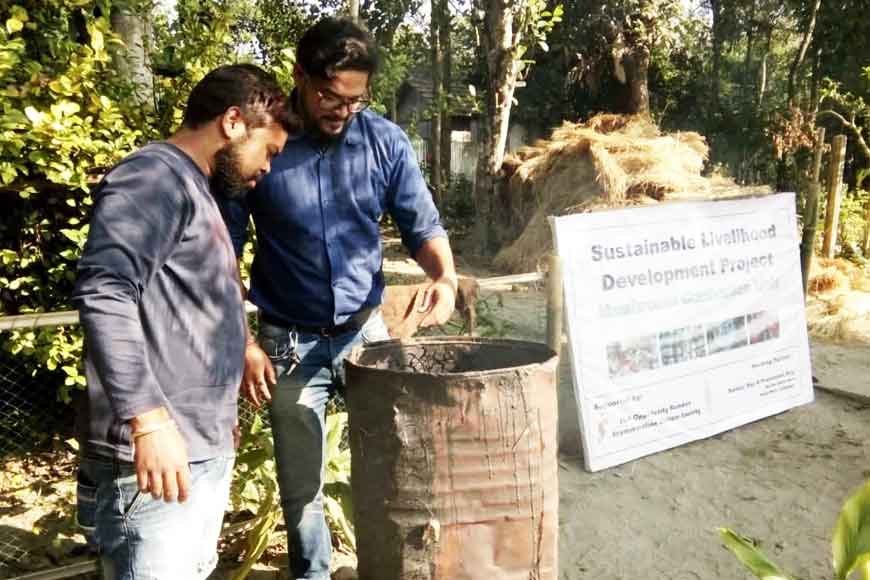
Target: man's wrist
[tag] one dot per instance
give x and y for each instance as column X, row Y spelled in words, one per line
column 151, row 428
column 149, row 418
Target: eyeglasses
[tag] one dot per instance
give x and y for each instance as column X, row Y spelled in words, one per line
column 329, row 101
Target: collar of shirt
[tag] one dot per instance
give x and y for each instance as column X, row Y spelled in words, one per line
column 352, row 134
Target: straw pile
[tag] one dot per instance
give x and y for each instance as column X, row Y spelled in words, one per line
column 838, row 306
column 609, row 161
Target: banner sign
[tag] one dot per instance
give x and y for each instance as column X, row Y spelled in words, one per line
column 684, row 320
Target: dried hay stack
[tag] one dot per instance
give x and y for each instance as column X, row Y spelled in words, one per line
column 838, row 306
column 610, row 161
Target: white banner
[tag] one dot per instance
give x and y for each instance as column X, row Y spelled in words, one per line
column 684, row 320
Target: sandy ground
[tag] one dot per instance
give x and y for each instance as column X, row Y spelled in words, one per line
column 780, row 480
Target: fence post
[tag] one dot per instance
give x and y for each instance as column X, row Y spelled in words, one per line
column 811, row 211
column 832, row 213
column 555, row 308
column 811, row 218
column 817, row 158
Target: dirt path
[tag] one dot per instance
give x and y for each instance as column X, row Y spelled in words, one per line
column 781, row 480
column 842, row 367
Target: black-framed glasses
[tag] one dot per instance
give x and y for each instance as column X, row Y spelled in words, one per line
column 329, row 101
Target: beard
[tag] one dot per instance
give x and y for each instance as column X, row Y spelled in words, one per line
column 313, row 128
column 228, row 179
column 312, row 125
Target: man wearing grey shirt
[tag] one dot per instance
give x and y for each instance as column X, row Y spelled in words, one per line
column 161, row 308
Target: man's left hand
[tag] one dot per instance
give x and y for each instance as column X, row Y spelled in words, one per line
column 439, row 300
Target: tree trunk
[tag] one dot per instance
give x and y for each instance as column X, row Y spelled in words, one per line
column 815, row 101
column 497, row 43
column 716, row 8
column 636, row 64
column 353, row 10
column 801, row 54
column 747, row 59
column 762, row 71
column 131, row 59
column 446, row 81
column 435, row 169
column 852, row 126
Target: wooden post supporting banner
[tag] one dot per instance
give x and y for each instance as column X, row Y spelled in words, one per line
column 555, row 307
column 832, row 213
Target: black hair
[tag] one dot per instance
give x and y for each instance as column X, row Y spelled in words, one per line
column 246, row 86
column 336, row 44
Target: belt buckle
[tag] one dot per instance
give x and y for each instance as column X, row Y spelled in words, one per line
column 324, row 332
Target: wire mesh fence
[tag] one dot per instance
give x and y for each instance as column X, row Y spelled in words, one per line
column 39, row 456
column 36, row 483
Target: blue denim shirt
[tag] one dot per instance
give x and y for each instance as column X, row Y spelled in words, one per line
column 317, row 214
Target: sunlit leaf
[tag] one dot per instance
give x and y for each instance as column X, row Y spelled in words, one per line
column 97, row 40
column 851, row 540
column 33, row 115
column 751, row 557
column 14, row 25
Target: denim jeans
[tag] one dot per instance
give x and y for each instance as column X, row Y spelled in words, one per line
column 298, row 418
column 141, row 538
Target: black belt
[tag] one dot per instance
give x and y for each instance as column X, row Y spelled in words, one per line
column 353, row 324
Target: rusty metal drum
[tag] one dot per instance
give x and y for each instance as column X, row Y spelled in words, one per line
column 454, row 467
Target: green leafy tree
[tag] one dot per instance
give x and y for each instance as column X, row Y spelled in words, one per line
column 65, row 120
column 507, row 31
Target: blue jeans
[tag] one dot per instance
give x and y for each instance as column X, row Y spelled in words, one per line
column 298, row 418
column 140, row 538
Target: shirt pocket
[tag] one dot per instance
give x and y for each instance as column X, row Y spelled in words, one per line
column 359, row 178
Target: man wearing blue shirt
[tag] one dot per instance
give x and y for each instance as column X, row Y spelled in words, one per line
column 317, row 276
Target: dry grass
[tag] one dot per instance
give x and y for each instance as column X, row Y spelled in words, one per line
column 838, row 305
column 609, row 161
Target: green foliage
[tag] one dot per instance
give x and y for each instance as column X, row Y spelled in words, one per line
column 459, row 208
column 853, row 222
column 337, row 502
column 853, row 105
column 62, row 116
column 279, row 24
column 203, row 36
column 536, row 20
column 395, row 66
column 850, row 544
column 66, row 118
column 255, row 487
column 750, row 555
column 851, row 541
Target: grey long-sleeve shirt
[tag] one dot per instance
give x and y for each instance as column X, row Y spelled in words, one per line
column 160, row 304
